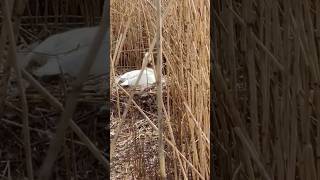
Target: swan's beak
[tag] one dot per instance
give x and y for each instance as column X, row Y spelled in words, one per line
column 116, row 80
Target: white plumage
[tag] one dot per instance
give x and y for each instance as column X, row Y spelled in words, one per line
column 129, row 78
column 67, row 52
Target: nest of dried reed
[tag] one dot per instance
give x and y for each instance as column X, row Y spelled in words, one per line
column 75, row 159
column 136, row 155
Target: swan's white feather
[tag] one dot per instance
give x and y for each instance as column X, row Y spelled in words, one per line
column 130, row 78
column 69, row 50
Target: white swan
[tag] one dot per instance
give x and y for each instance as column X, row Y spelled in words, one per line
column 129, row 78
column 66, row 52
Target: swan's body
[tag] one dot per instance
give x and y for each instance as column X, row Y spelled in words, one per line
column 129, row 78
column 66, row 52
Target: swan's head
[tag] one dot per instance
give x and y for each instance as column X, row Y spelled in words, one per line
column 149, row 66
column 148, row 57
column 118, row 80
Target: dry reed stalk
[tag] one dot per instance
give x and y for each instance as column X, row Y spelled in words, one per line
column 228, row 16
column 13, row 50
column 317, row 97
column 162, row 164
column 265, row 85
column 4, row 66
column 119, row 47
column 252, row 76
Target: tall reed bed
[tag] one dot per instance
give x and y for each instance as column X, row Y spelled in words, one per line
column 186, row 66
column 267, row 89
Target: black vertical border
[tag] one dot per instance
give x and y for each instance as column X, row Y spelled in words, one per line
column 213, row 58
column 106, row 6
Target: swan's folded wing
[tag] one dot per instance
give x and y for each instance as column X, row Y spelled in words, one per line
column 67, row 41
column 125, row 83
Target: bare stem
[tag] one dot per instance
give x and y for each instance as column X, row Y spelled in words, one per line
column 159, row 93
column 13, row 50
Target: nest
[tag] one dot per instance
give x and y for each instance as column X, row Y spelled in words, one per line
column 75, row 160
column 136, row 154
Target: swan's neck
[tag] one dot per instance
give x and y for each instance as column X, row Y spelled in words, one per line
column 148, row 69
